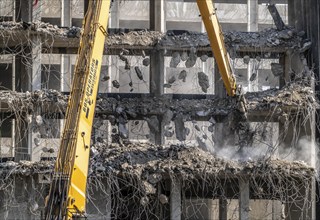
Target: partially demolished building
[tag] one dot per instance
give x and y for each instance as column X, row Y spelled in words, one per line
column 167, row 142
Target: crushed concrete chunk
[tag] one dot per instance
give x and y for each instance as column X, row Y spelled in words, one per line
column 184, row 56
column 168, row 133
column 204, row 58
column 144, row 201
column 167, row 117
column 192, row 60
column 146, row 62
column 149, row 188
column 138, row 72
column 163, row 199
column 175, row 60
column 211, row 128
column 183, row 75
column 154, row 178
column 180, row 129
column 277, row 69
column 253, row 76
column 39, row 120
column 203, row 81
column 116, row 84
column 112, row 119
column 123, row 131
column 153, row 123
column 172, row 79
column 246, row 59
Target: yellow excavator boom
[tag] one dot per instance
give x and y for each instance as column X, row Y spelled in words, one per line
column 67, row 197
column 210, row 20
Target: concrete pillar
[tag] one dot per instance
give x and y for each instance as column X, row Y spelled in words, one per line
column 114, row 15
column 157, row 68
column 253, row 15
column 223, row 209
column 65, row 58
column 286, row 62
column 66, row 13
column 244, row 207
column 253, row 26
column 175, row 200
column 157, row 15
column 113, row 61
column 299, row 16
column 28, row 76
column 291, row 13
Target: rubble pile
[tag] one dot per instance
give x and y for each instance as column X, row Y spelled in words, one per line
column 29, row 101
column 273, row 38
column 147, row 161
column 293, row 95
column 40, row 27
column 136, row 38
column 25, row 168
column 266, row 38
column 296, row 94
column 150, row 161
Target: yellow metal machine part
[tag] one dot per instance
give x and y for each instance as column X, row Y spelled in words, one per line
column 210, row 20
column 67, row 197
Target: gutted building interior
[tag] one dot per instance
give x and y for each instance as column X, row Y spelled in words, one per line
column 167, row 142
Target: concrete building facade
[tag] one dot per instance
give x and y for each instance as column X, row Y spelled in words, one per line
column 167, row 141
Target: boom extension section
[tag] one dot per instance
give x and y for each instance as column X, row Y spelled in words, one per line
column 210, row 20
column 67, row 196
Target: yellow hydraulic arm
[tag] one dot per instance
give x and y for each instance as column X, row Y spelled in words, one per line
column 210, row 20
column 67, row 197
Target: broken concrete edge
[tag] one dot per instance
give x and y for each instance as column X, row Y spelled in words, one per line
column 269, row 38
column 292, row 97
column 176, row 161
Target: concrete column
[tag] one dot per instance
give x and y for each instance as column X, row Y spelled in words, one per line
column 175, row 200
column 223, row 209
column 156, row 87
column 65, row 58
column 291, row 13
column 157, row 15
column 28, row 76
column 66, row 13
column 244, row 208
column 253, row 26
column 157, row 68
column 299, row 16
column 253, row 15
column 285, row 61
column 114, row 15
column 113, row 61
